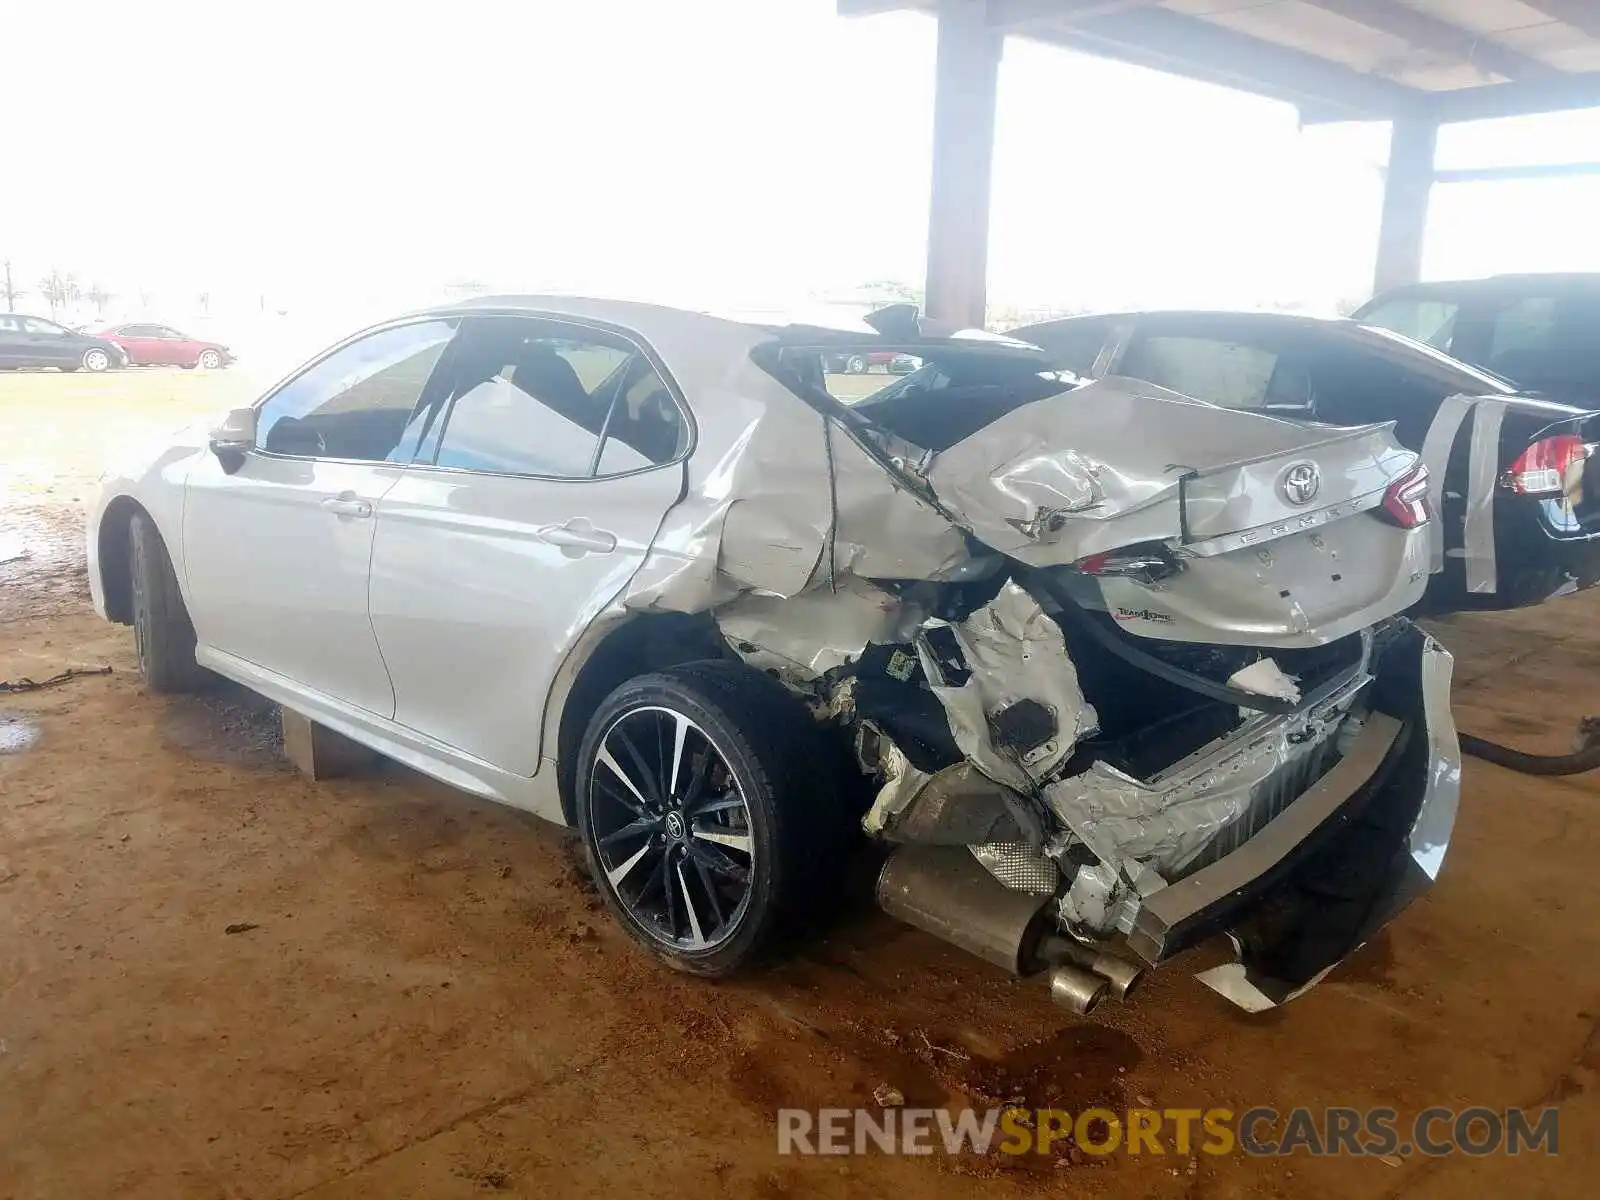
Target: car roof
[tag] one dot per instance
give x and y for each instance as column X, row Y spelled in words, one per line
column 1508, row 284
column 1340, row 327
column 664, row 326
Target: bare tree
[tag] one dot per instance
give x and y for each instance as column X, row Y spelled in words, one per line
column 59, row 288
column 12, row 291
column 205, row 302
column 97, row 295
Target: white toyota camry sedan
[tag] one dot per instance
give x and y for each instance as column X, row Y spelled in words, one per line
column 1104, row 669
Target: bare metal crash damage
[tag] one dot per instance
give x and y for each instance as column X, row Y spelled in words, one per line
column 1124, row 671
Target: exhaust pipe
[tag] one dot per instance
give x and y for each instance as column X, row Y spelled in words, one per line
column 944, row 891
column 1123, row 976
column 1077, row 989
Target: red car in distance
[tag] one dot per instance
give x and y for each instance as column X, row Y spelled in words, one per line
column 159, row 345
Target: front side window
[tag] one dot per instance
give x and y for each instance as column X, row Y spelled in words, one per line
column 1217, row 370
column 536, row 397
column 34, row 325
column 10, row 325
column 356, row 402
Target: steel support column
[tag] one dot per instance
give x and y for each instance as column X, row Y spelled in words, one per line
column 1405, row 203
column 967, row 72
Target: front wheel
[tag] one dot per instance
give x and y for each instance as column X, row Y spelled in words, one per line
column 710, row 813
column 210, row 360
column 162, row 631
column 856, row 364
column 95, row 359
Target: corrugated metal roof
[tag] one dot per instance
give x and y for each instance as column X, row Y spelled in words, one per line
column 1337, row 59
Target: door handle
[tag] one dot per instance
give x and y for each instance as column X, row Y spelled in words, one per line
column 578, row 534
column 348, row 504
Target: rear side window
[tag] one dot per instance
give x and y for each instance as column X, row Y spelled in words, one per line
column 537, row 397
column 1232, row 374
column 1074, row 344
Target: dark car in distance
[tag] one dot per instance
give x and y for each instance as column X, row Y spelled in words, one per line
column 35, row 342
column 149, row 345
column 1534, row 528
column 1542, row 332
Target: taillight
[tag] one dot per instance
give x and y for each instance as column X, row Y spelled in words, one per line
column 1146, row 564
column 1405, row 500
column 1542, row 469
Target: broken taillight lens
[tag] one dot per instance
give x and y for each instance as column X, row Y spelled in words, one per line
column 1542, row 469
column 1405, row 500
column 1146, row 563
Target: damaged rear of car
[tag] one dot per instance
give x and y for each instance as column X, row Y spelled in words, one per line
column 1124, row 670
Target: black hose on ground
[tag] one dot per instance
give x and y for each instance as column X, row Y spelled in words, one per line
column 1585, row 758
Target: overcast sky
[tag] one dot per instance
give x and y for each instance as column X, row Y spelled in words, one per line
column 709, row 152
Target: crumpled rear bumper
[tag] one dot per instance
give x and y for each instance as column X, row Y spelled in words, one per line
column 1352, row 851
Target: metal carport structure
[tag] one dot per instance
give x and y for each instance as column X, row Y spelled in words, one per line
column 1416, row 63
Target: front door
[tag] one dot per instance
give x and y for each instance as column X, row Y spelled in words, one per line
column 47, row 344
column 140, row 343
column 555, row 452
column 277, row 553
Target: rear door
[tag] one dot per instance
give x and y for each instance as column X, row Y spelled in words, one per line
column 173, row 347
column 543, row 476
column 12, row 341
column 276, row 554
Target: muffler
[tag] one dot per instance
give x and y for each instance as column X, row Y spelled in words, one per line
column 944, row 891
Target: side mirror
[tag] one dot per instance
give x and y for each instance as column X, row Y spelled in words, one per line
column 234, row 438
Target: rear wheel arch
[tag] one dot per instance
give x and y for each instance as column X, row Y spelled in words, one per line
column 636, row 647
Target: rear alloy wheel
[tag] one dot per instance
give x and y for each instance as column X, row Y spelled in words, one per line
column 856, row 364
column 711, row 823
column 210, row 360
column 95, row 359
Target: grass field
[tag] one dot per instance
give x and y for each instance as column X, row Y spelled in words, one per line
column 58, row 432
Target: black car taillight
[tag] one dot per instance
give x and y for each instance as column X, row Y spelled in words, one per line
column 1405, row 500
column 1543, row 468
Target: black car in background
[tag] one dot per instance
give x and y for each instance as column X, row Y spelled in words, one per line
column 1542, row 332
column 1519, row 523
column 34, row 342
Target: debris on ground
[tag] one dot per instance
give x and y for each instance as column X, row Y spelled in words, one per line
column 33, row 685
column 886, row 1095
column 241, row 927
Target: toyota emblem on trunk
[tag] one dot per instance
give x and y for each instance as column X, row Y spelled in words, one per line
column 1300, row 483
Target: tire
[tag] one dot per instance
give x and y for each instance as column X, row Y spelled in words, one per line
column 96, row 359
column 750, row 826
column 209, row 360
column 189, row 366
column 856, row 364
column 162, row 630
